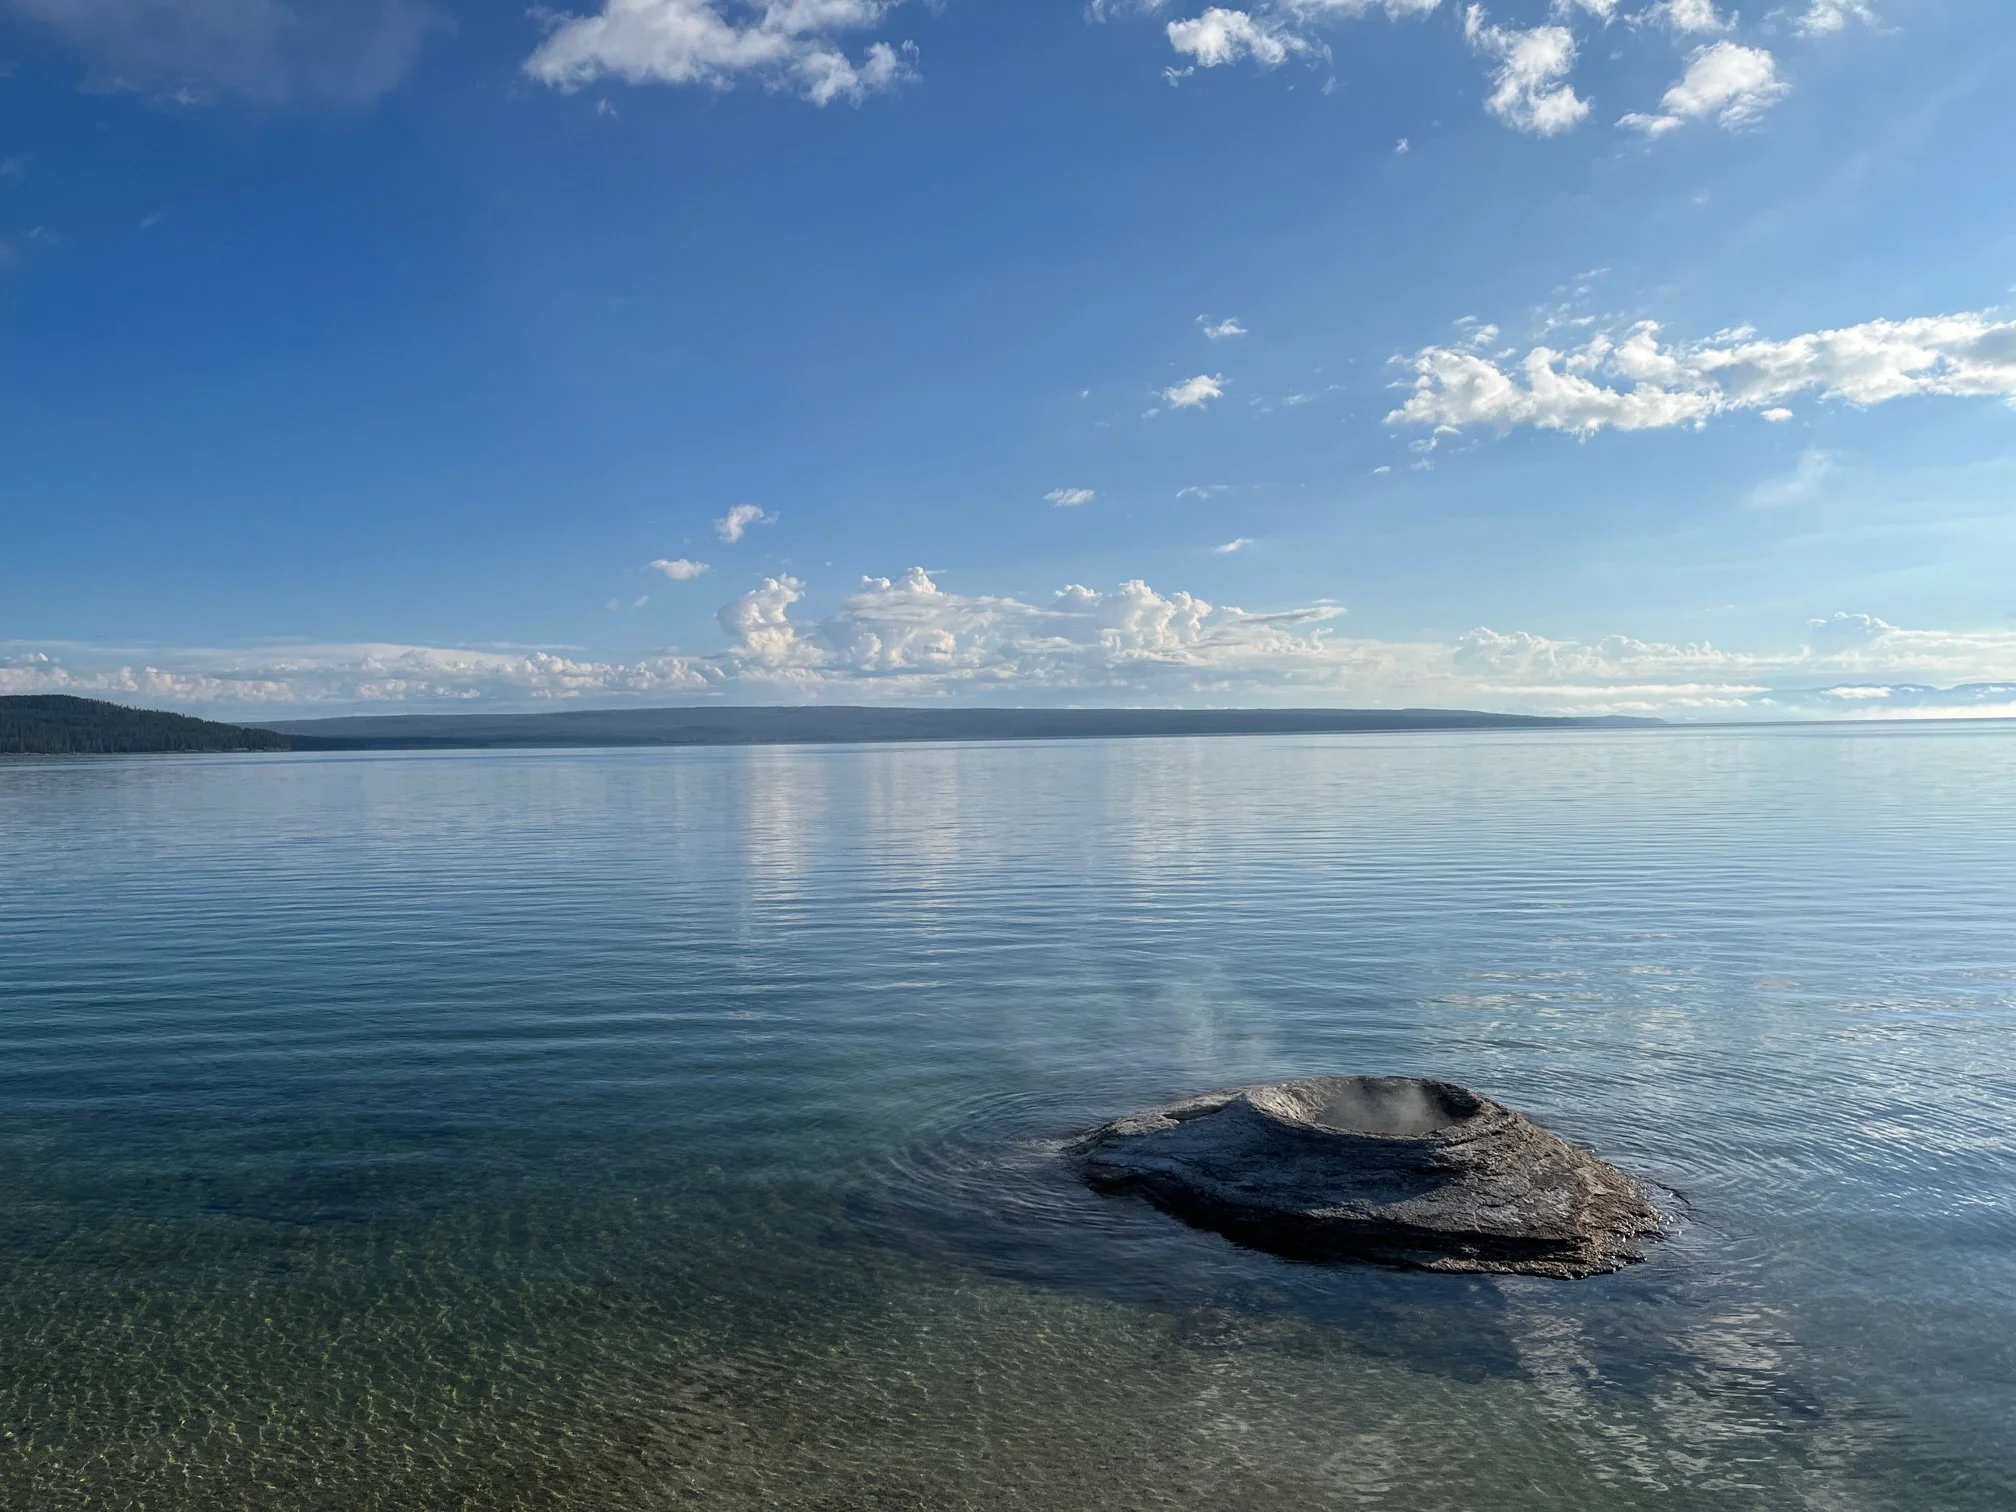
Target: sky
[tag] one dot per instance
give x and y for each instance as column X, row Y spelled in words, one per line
column 1549, row 356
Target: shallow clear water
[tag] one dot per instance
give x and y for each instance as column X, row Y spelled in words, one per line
column 677, row 1128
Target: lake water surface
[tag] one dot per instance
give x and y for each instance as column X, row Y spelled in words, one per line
column 644, row 1129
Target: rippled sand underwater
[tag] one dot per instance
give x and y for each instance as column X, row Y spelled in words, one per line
column 661, row 1129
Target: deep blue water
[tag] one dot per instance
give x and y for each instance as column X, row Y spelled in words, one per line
column 677, row 1128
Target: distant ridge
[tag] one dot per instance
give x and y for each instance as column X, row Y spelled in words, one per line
column 57, row 724
column 824, row 725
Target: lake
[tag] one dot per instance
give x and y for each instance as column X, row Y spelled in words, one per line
column 666, row 1128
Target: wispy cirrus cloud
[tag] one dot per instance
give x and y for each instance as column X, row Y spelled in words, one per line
column 340, row 52
column 1641, row 382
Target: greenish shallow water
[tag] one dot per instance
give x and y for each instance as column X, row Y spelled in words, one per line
column 677, row 1128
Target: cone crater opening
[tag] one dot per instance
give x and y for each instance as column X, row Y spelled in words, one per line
column 1390, row 1107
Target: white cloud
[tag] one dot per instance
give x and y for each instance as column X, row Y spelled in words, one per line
column 1269, row 34
column 1238, row 544
column 1193, row 393
column 1314, row 10
column 1825, row 17
column 1070, row 498
column 352, row 675
column 1529, row 88
column 911, row 637
column 1641, row 383
column 1778, row 416
column 1685, row 16
column 343, row 52
column 679, row 569
column 1841, row 629
column 1732, row 83
column 1630, row 676
column 783, row 44
column 1806, row 479
column 1221, row 36
column 1220, row 330
column 759, row 624
column 732, row 526
column 906, row 638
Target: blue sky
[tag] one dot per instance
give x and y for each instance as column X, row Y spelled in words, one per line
column 1586, row 356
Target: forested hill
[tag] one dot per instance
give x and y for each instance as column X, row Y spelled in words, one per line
column 55, row 724
column 831, row 724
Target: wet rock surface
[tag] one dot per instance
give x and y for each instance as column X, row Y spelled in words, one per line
column 1394, row 1170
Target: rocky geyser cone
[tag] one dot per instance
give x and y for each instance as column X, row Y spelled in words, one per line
column 1391, row 1169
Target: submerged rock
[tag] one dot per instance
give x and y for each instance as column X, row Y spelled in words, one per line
column 1391, row 1169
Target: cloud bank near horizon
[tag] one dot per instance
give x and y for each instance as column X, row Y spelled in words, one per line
column 906, row 639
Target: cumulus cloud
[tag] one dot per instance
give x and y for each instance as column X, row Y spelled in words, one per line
column 892, row 637
column 906, row 638
column 1640, row 382
column 1240, row 543
column 1070, row 498
column 1725, row 80
column 1219, row 330
column 1685, row 16
column 1851, row 666
column 1529, row 88
column 1268, row 34
column 1842, row 629
column 342, row 52
column 732, row 526
column 679, row 569
column 1315, row 10
column 350, row 675
column 782, row 44
column 759, row 624
column 1825, row 17
column 1221, row 36
column 1194, row 393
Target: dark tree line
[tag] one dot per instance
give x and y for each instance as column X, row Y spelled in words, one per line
column 55, row 724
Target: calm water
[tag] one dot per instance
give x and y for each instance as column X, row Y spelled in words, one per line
column 676, row 1128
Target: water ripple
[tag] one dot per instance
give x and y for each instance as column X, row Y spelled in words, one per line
column 640, row 1129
